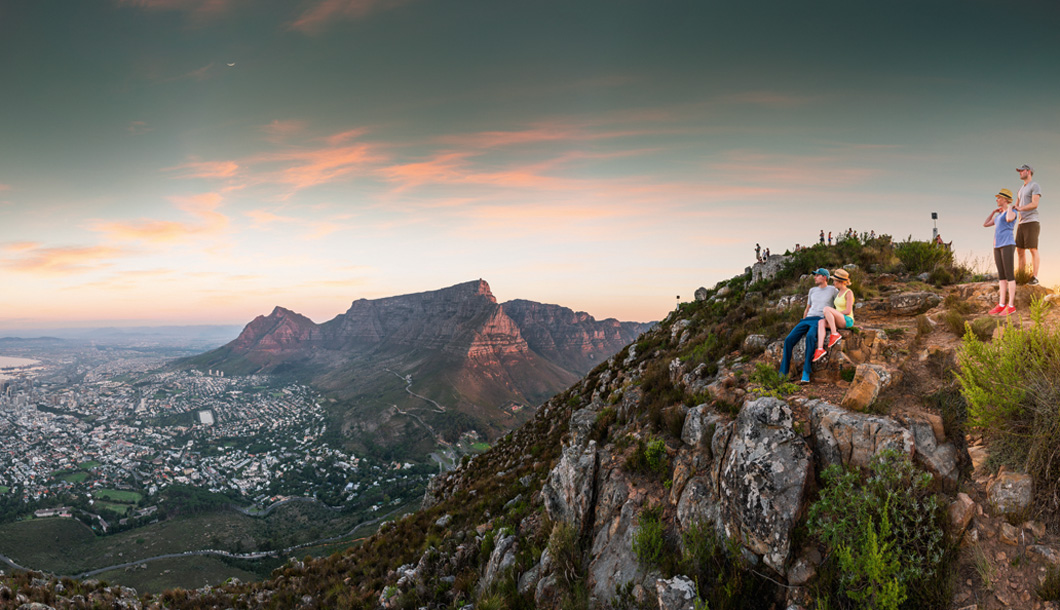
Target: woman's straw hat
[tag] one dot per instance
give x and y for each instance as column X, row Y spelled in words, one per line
column 841, row 274
column 1007, row 194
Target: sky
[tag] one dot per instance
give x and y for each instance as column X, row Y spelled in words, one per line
column 200, row 161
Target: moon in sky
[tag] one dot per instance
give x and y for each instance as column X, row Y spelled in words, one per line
column 232, row 64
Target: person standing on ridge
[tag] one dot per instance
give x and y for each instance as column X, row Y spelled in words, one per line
column 1003, row 219
column 821, row 295
column 758, row 252
column 1028, row 229
column 829, row 238
column 822, row 236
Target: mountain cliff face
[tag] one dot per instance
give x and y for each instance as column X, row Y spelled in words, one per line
column 463, row 349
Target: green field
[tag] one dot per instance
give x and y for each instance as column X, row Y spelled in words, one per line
column 185, row 572
column 88, row 464
column 67, row 547
column 117, row 495
column 74, row 477
column 4, row 489
column 480, row 446
column 121, row 509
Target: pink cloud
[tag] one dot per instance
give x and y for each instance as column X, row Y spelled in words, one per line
column 205, row 169
column 345, row 136
column 202, row 207
column 326, row 11
column 198, row 8
column 65, row 260
column 4, row 187
column 312, row 167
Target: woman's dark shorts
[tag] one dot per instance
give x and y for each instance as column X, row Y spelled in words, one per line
column 1004, row 258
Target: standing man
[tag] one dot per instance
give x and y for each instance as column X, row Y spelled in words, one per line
column 822, row 236
column 821, row 295
column 758, row 252
column 1028, row 228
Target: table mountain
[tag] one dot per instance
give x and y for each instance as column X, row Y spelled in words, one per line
column 480, row 360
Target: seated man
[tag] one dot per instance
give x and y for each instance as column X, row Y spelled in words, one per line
column 821, row 295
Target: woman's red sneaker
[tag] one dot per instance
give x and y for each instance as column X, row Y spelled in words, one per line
column 996, row 310
column 833, row 339
column 819, row 354
column 1007, row 311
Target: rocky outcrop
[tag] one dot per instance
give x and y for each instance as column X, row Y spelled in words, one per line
column 677, row 593
column 569, row 490
column 853, row 439
column 763, row 480
column 612, row 562
column 869, row 381
column 769, row 268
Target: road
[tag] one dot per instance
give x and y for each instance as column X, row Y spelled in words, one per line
column 408, row 388
column 219, row 553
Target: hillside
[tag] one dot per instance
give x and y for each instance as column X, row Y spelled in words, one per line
column 474, row 363
column 684, row 470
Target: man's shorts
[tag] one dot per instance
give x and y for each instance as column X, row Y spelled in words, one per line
column 1027, row 235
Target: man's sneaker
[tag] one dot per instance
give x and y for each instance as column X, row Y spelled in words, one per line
column 995, row 311
column 819, row 354
column 804, row 381
column 1033, row 282
column 833, row 339
column 1007, row 311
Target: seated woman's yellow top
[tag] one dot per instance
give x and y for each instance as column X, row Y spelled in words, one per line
column 841, row 302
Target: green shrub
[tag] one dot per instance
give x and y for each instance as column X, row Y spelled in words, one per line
column 771, row 382
column 983, row 327
column 954, row 322
column 920, row 256
column 923, row 326
column 567, row 558
column 714, row 564
column 847, row 374
column 1012, row 387
column 1023, row 275
column 1050, row 587
column 885, row 531
column 956, row 303
column 603, row 422
column 649, row 538
column 649, row 457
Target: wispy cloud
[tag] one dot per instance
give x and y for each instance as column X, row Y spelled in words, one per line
column 33, row 258
column 138, row 128
column 304, row 168
column 4, row 187
column 204, row 169
column 323, row 12
column 278, row 131
column 203, row 208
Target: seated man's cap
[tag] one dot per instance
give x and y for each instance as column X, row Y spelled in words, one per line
column 822, row 271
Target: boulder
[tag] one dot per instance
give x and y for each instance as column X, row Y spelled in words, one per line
column 528, row 580
column 1010, row 494
column 763, row 480
column 613, row 562
column 1047, row 553
column 913, row 303
column 677, row 593
column 869, row 381
column 701, row 294
column 568, row 491
column 852, row 439
column 698, row 504
column 961, row 512
column 1026, row 294
column 802, row 571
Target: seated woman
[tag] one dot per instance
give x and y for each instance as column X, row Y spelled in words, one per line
column 840, row 315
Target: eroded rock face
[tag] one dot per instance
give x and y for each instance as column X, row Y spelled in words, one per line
column 763, row 480
column 501, row 560
column 568, row 491
column 869, row 381
column 768, row 269
column 938, row 458
column 852, row 439
column 613, row 562
column 698, row 430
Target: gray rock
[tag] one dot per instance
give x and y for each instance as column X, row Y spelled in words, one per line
column 763, row 480
column 923, row 277
column 677, row 328
column 677, row 593
column 940, row 459
column 755, row 343
column 1011, row 494
column 582, row 423
column 801, row 572
column 528, row 580
column 701, row 294
column 444, row 520
column 568, row 491
column 913, row 303
column 545, row 594
column 852, row 439
column 501, row 560
column 699, row 426
column 1047, row 553
column 769, row 268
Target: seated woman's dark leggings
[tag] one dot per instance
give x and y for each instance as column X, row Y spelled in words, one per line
column 1005, row 259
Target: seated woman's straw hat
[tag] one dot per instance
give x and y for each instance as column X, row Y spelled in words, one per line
column 841, row 274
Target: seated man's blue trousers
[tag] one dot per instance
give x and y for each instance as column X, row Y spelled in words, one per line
column 808, row 327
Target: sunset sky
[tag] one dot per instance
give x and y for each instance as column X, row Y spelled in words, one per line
column 200, row 161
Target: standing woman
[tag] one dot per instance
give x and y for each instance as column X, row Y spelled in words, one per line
column 840, row 315
column 1003, row 219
